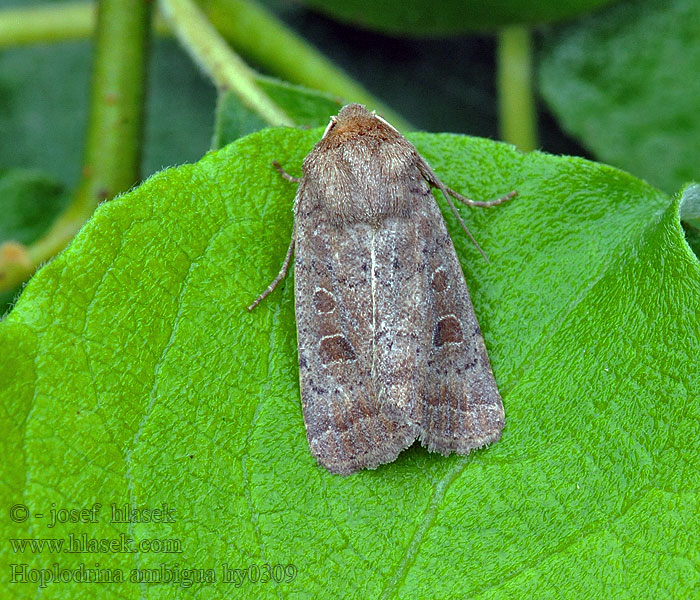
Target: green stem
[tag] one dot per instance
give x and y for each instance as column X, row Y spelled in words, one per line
column 259, row 35
column 112, row 150
column 215, row 57
column 250, row 28
column 50, row 23
column 517, row 104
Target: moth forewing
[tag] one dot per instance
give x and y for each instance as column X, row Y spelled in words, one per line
column 390, row 350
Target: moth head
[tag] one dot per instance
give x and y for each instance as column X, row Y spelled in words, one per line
column 353, row 121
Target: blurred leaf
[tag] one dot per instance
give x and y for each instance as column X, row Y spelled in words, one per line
column 307, row 108
column 417, row 17
column 625, row 82
column 133, row 373
column 47, row 129
column 29, row 201
column 690, row 213
column 690, row 209
column 420, row 78
column 180, row 109
column 692, row 236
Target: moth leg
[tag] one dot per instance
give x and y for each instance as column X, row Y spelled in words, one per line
column 280, row 275
column 470, row 202
column 443, row 189
column 284, row 173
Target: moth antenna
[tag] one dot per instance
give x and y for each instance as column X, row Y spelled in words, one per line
column 284, row 173
column 281, row 275
column 445, row 193
column 434, row 181
column 330, row 126
column 470, row 202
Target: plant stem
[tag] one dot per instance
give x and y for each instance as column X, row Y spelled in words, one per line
column 250, row 28
column 259, row 35
column 516, row 104
column 112, row 149
column 49, row 23
column 215, row 57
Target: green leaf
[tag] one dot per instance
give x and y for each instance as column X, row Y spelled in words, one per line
column 417, row 17
column 307, row 108
column 29, row 201
column 133, row 373
column 625, row 83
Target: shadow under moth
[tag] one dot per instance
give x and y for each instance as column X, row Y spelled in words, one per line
column 390, row 350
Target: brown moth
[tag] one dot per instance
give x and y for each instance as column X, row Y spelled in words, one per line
column 389, row 347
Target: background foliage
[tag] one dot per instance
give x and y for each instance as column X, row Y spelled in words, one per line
column 133, row 374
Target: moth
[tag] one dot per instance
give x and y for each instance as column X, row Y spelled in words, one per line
column 390, row 350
